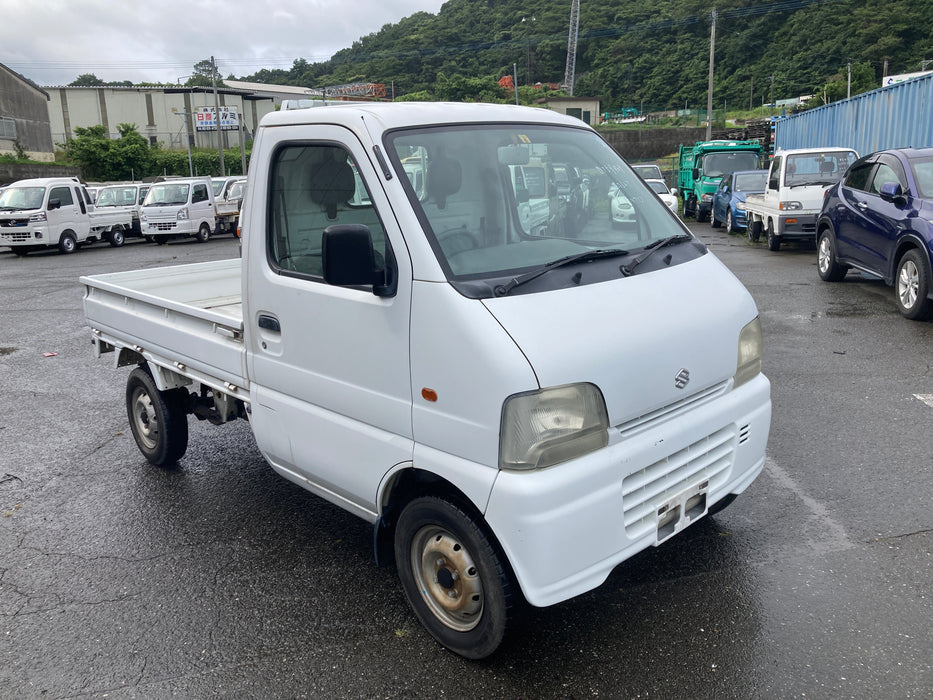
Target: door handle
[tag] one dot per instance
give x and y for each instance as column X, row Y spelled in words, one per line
column 269, row 323
column 862, row 206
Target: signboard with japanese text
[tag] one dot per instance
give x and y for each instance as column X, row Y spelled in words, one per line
column 206, row 121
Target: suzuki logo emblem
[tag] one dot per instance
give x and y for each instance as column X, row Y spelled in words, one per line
column 682, row 379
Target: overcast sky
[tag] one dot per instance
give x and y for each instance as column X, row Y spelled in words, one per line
column 52, row 42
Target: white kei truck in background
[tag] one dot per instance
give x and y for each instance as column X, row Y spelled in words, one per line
column 515, row 412
column 791, row 203
column 227, row 203
column 178, row 208
column 123, row 197
column 55, row 213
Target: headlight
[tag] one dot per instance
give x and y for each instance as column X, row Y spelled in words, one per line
column 182, row 214
column 706, row 198
column 740, row 206
column 546, row 427
column 748, row 365
column 787, row 206
column 38, row 217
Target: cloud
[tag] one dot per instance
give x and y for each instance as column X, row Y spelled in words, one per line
column 55, row 41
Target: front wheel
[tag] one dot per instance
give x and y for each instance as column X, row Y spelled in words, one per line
column 830, row 270
column 67, row 244
column 912, row 284
column 774, row 243
column 730, row 223
column 204, row 233
column 453, row 577
column 158, row 419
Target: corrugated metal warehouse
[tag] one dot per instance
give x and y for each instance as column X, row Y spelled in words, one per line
column 897, row 116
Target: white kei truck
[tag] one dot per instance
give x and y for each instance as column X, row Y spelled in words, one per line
column 178, row 208
column 515, row 412
column 790, row 205
column 56, row 212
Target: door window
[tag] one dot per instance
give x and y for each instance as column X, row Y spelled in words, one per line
column 858, row 177
column 314, row 187
column 62, row 194
column 885, row 173
column 199, row 194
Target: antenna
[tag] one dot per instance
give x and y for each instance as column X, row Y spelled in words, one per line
column 572, row 47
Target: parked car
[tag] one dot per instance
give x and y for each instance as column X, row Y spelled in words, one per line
column 878, row 220
column 620, row 209
column 665, row 194
column 729, row 198
column 648, row 171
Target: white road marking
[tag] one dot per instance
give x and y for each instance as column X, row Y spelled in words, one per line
column 926, row 398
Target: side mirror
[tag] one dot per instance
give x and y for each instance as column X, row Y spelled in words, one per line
column 239, row 204
column 674, row 191
column 894, row 193
column 349, row 260
column 696, row 173
column 55, row 204
column 773, row 184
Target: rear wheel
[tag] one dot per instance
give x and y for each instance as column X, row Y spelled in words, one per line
column 67, row 244
column 730, row 224
column 912, row 284
column 117, row 238
column 713, row 221
column 158, row 419
column 830, row 270
column 453, row 576
column 753, row 230
column 204, row 233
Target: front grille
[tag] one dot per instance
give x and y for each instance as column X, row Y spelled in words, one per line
column 163, row 226
column 671, row 410
column 16, row 236
column 709, row 459
column 14, row 223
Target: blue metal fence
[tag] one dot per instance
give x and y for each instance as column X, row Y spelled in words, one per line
column 896, row 116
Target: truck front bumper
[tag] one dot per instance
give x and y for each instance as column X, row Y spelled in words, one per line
column 797, row 226
column 565, row 528
column 27, row 235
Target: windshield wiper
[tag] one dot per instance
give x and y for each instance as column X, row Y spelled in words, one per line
column 502, row 290
column 629, row 269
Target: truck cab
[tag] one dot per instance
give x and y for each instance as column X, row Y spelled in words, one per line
column 702, row 166
column 177, row 208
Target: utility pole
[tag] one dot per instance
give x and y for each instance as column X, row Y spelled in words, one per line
column 220, row 143
column 709, row 91
column 771, row 99
column 849, row 85
column 751, row 95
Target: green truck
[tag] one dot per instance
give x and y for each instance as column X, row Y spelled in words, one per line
column 702, row 165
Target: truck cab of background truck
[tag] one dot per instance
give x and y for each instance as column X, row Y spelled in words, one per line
column 703, row 165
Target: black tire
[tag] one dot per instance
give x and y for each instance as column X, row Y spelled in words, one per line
column 774, row 242
column 455, row 580
column 830, row 270
column 158, row 419
column 753, row 230
column 204, row 233
column 912, row 285
column 701, row 215
column 713, row 221
column 730, row 223
column 160, row 240
column 116, row 238
column 20, row 252
column 67, row 244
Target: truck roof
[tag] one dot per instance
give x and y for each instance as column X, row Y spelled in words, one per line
column 797, row 151
column 45, row 182
column 392, row 115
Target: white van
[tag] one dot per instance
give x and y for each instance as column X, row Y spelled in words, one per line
column 55, row 212
column 178, row 208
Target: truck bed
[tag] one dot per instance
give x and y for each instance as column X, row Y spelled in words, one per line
column 188, row 318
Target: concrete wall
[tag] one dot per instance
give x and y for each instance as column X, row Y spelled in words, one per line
column 649, row 144
column 151, row 110
column 12, row 172
column 26, row 105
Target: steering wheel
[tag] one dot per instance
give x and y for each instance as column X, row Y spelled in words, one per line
column 457, row 240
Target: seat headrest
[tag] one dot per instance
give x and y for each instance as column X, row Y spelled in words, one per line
column 332, row 182
column 444, row 179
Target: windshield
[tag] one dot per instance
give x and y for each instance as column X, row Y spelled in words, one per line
column 500, row 200
column 817, row 168
column 165, row 194
column 218, row 186
column 116, row 197
column 751, row 182
column 719, row 164
column 658, row 187
column 923, row 175
column 22, row 198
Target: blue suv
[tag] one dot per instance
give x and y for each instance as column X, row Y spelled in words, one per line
column 878, row 219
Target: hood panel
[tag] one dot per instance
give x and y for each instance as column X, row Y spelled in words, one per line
column 632, row 336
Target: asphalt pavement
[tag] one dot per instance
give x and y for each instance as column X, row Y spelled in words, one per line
column 220, row 579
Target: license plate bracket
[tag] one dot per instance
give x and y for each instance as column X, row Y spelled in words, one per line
column 681, row 511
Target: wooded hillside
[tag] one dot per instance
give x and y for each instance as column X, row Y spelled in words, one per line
column 634, row 53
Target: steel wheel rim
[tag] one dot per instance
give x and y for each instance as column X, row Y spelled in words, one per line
column 145, row 419
column 69, row 243
column 908, row 284
column 447, row 578
column 825, row 254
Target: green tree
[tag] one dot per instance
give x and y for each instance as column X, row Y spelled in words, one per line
column 103, row 158
column 203, row 74
column 86, row 80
